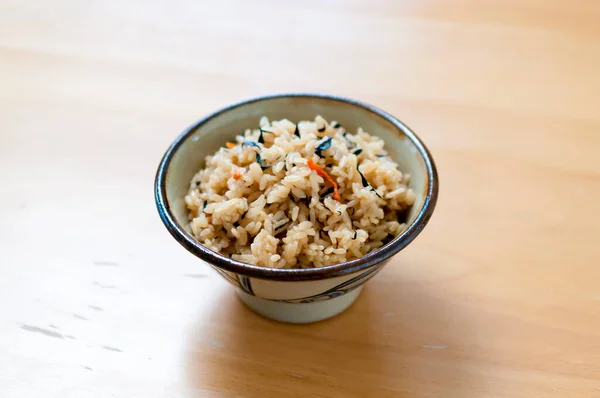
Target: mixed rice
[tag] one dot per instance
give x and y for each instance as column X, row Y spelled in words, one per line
column 300, row 195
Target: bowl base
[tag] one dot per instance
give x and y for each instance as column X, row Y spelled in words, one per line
column 301, row 312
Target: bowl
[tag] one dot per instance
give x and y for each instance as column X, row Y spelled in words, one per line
column 294, row 295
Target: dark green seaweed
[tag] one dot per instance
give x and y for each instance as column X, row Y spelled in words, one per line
column 259, row 161
column 325, row 144
column 261, row 139
column 366, row 183
column 364, row 180
column 297, row 131
column 349, row 143
column 358, row 151
column 376, row 193
column 251, row 143
column 337, row 125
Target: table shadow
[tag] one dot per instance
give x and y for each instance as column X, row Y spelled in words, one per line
column 398, row 339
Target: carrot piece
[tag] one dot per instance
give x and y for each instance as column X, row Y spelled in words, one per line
column 230, row 145
column 237, row 175
column 313, row 166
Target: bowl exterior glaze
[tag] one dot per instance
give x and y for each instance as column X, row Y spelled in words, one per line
column 299, row 295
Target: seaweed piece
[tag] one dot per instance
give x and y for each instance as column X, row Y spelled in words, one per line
column 251, row 143
column 258, row 158
column 297, row 131
column 366, row 183
column 354, row 235
column 243, row 215
column 322, row 129
column 261, row 139
column 349, row 143
column 381, row 156
column 364, row 180
column 259, row 161
column 323, row 146
column 236, row 224
column 204, row 205
column 337, row 125
column 327, row 192
column 358, row 151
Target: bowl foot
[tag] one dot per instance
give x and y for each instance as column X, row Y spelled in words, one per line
column 299, row 312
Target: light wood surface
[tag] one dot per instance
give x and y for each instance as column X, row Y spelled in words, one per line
column 499, row 297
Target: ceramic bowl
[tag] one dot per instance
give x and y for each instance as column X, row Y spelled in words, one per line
column 294, row 295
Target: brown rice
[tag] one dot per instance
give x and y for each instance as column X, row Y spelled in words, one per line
column 259, row 202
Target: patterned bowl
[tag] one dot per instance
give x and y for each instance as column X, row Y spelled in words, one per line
column 294, row 295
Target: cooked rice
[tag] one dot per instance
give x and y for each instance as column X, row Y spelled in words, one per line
column 283, row 214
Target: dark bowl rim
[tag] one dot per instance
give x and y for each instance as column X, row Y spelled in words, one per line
column 331, row 271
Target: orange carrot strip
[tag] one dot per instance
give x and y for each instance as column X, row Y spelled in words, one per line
column 313, row 166
column 237, row 175
column 230, row 145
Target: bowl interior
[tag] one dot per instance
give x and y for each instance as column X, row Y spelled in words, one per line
column 207, row 137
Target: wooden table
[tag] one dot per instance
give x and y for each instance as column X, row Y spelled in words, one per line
column 499, row 297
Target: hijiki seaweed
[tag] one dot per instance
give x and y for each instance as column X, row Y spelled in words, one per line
column 366, row 183
column 261, row 139
column 325, row 144
column 258, row 158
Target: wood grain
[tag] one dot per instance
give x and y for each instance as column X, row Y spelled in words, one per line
column 499, row 297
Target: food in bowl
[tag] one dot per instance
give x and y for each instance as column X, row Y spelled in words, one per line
column 298, row 195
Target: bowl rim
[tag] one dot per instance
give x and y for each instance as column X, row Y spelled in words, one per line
column 331, row 271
